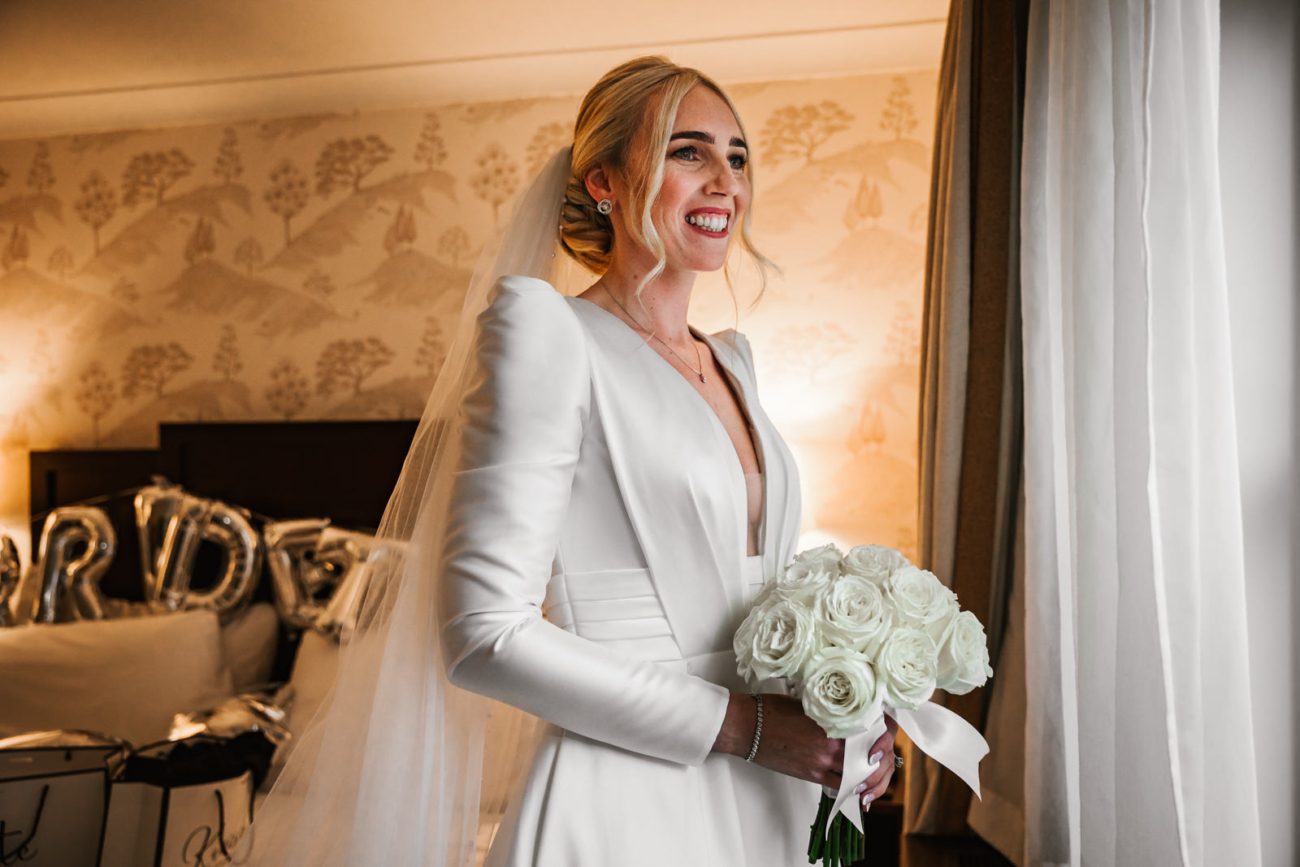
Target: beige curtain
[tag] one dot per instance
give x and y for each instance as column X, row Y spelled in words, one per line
column 971, row 392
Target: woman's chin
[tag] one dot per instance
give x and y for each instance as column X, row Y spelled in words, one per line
column 701, row 263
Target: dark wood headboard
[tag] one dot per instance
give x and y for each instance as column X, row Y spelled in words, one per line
column 342, row 470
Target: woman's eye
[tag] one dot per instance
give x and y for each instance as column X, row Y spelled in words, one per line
column 738, row 161
column 686, row 153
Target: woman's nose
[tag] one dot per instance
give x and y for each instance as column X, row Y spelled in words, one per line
column 724, row 181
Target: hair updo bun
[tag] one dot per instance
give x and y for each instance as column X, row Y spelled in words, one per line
column 625, row 122
column 585, row 233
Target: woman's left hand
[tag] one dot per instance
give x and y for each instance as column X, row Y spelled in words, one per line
column 874, row 786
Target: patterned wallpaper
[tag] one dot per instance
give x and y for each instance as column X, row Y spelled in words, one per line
column 312, row 267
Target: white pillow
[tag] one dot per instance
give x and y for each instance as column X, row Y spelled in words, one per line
column 248, row 645
column 314, row 670
column 124, row 677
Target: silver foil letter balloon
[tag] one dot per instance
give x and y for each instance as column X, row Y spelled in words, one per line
column 196, row 520
column 69, row 573
column 355, row 557
column 11, row 577
column 298, row 582
column 154, row 506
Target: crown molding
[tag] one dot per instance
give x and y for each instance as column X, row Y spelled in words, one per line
column 874, row 48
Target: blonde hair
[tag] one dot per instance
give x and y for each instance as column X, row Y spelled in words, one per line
column 625, row 121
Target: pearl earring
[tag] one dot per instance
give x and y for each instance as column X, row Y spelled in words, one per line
column 605, row 206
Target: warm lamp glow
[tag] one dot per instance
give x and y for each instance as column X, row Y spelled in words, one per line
column 816, row 537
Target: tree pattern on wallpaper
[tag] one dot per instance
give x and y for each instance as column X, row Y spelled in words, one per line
column 345, row 163
column 249, row 254
column 899, row 115
column 796, row 132
column 149, row 368
column 865, row 206
column 96, row 205
column 432, row 349
column 346, row 364
column 454, row 244
column 25, row 209
column 811, row 349
column 226, row 361
column 286, row 194
column 289, row 390
column 314, row 267
column 342, row 165
column 16, row 251
column 497, row 178
column 96, row 395
column 40, row 177
column 60, row 262
column 228, row 166
column 431, row 150
column 149, row 176
column 549, row 138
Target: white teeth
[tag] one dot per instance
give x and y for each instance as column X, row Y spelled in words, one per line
column 711, row 222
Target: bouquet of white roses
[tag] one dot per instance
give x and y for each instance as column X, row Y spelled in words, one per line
column 861, row 635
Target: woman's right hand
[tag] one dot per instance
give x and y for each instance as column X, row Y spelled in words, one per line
column 791, row 743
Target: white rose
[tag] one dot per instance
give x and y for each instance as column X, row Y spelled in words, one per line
column 803, row 587
column 842, row 691
column 775, row 640
column 922, row 601
column 823, row 558
column 851, row 612
column 963, row 656
column 874, row 562
column 908, row 667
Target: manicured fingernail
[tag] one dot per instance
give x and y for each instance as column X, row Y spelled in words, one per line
column 869, row 798
column 875, row 757
column 862, row 787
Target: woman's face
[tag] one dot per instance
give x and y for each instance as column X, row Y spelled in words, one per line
column 705, row 191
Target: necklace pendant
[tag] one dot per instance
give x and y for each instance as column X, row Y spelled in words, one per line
column 702, row 378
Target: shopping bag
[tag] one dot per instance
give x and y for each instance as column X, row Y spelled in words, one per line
column 52, row 806
column 164, row 825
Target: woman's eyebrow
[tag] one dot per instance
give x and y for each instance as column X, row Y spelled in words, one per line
column 706, row 138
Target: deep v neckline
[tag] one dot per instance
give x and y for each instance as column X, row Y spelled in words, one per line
column 738, row 390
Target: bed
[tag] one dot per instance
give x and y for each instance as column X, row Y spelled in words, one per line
column 126, row 677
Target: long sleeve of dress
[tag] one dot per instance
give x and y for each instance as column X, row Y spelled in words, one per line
column 523, row 415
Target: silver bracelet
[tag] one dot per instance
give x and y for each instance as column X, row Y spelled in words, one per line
column 758, row 730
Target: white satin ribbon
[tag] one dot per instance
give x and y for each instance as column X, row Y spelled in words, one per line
column 936, row 731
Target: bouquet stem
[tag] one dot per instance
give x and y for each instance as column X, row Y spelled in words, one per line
column 833, row 839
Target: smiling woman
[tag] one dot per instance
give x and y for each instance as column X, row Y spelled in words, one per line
column 583, row 543
column 633, row 145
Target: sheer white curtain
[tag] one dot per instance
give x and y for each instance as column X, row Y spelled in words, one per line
column 1138, row 734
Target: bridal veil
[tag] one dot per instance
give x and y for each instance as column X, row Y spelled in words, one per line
column 392, row 769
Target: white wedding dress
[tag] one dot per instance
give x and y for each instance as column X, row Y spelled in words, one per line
column 595, row 570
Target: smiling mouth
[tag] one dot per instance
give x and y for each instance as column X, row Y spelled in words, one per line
column 709, row 224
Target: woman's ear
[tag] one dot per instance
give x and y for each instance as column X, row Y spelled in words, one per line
column 598, row 185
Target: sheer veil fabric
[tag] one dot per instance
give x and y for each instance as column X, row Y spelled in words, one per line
column 391, row 770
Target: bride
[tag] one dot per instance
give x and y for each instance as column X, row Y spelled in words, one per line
column 592, row 501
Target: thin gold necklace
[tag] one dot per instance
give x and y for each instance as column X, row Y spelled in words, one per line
column 698, row 359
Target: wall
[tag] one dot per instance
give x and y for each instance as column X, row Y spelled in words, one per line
column 1258, row 119
column 311, row 267
column 67, row 66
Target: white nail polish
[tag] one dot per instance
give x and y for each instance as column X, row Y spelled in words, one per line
column 875, row 757
column 862, row 787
